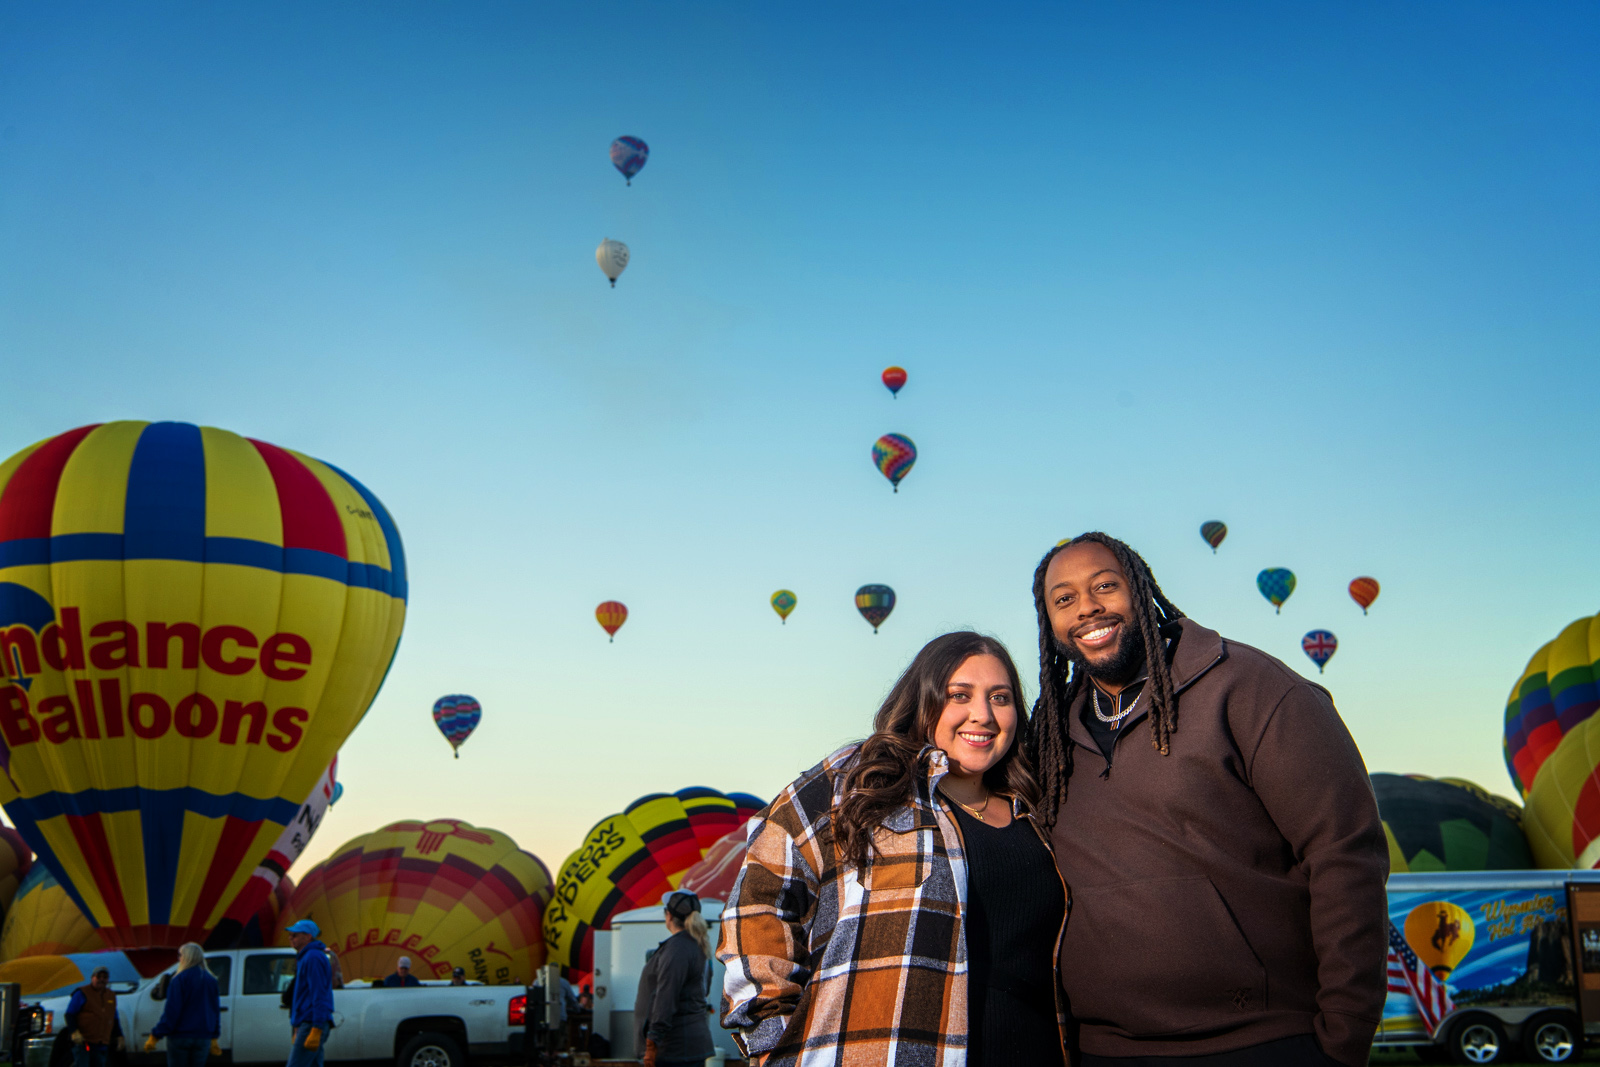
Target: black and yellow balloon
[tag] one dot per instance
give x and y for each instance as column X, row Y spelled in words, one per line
column 1449, row 824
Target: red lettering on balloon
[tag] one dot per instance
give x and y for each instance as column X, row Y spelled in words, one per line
column 58, row 720
column 285, row 648
column 158, row 637
column 234, row 713
column 19, row 652
column 91, row 724
column 122, row 648
column 288, row 722
column 15, row 722
column 195, row 716
column 211, row 649
column 111, row 702
column 160, row 715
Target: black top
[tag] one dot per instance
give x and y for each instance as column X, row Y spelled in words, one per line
column 1015, row 905
column 1105, row 734
column 670, row 1004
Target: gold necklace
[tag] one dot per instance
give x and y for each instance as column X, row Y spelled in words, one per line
column 977, row 812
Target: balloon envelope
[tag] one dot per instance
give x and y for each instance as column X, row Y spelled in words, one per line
column 1449, row 824
column 1276, row 583
column 783, row 602
column 1364, row 591
column 713, row 877
column 613, row 259
column 43, row 977
column 457, row 716
column 441, row 891
column 1559, row 689
column 875, row 602
column 1213, row 533
column 1320, row 645
column 631, row 858
column 628, row 155
column 893, row 455
column 16, row 858
column 894, row 378
column 191, row 623
column 43, row 921
column 611, row 615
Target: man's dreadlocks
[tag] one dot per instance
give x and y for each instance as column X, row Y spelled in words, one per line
column 1060, row 681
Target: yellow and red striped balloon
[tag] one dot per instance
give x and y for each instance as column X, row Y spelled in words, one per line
column 611, row 615
column 191, row 624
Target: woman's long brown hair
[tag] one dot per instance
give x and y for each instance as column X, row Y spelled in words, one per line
column 882, row 775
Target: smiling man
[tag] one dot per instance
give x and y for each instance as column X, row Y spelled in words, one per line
column 1227, row 862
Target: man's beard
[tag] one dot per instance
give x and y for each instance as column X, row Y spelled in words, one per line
column 1123, row 665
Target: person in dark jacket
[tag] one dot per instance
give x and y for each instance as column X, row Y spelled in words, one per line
column 91, row 1016
column 311, row 1015
column 669, row 1010
column 1227, row 862
column 402, row 975
column 191, row 1019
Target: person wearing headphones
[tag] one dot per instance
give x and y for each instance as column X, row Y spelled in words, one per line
column 670, row 1010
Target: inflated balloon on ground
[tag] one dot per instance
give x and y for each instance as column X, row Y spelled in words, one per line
column 43, row 921
column 628, row 155
column 1557, row 691
column 1364, row 591
column 875, row 602
column 1276, row 584
column 1213, row 533
column 630, row 859
column 457, row 716
column 783, row 602
column 1449, row 824
column 16, row 858
column 893, row 455
column 441, row 891
column 195, row 622
column 611, row 615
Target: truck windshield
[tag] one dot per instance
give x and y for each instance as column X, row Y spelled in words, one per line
column 267, row 974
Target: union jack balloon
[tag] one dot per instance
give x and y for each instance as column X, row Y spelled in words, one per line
column 1320, row 645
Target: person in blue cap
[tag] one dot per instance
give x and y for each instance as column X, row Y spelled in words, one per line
column 190, row 1021
column 311, row 1014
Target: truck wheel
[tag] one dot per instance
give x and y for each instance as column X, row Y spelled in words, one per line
column 431, row 1049
column 1477, row 1039
column 1552, row 1038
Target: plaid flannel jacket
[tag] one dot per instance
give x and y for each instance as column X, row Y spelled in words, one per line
column 828, row 965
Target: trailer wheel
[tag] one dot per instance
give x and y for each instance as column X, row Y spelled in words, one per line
column 1477, row 1039
column 431, row 1049
column 1552, row 1038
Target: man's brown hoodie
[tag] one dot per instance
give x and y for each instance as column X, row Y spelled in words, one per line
column 1230, row 893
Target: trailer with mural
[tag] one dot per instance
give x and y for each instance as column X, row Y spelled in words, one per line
column 1487, row 965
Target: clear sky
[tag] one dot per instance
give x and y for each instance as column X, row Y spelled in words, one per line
column 1324, row 271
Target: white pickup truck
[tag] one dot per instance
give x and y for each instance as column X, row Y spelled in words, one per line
column 427, row 1026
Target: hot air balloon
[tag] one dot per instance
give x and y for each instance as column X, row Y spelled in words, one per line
column 43, row 920
column 1276, row 583
column 1320, row 645
column 16, row 858
column 1364, row 591
column 1559, row 690
column 713, row 877
column 443, row 892
column 893, row 455
column 783, row 602
column 1440, row 933
column 628, row 154
column 875, row 602
column 894, row 378
column 1213, row 533
column 613, row 259
column 246, row 925
column 191, row 624
column 44, row 977
column 457, row 716
column 338, row 791
column 629, row 859
column 612, row 614
column 1448, row 824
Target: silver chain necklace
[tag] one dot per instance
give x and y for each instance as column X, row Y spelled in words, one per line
column 1120, row 715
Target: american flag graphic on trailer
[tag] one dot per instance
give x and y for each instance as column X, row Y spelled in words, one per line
column 1407, row 974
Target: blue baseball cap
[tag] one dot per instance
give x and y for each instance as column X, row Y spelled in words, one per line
column 304, row 926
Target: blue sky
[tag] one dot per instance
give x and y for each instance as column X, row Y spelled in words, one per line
column 1326, row 272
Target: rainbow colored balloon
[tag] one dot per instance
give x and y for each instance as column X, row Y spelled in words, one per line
column 611, row 615
column 783, row 602
column 1276, row 584
column 1213, row 533
column 875, row 602
column 1320, row 645
column 893, row 455
column 1364, row 591
column 1558, row 692
column 893, row 379
column 628, row 155
column 191, row 624
column 457, row 716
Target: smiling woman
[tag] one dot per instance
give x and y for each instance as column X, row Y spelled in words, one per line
column 922, row 834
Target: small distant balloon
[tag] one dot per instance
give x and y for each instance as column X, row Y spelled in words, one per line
column 1320, row 645
column 1364, row 591
column 611, row 615
column 783, row 602
column 893, row 455
column 894, row 378
column 1276, row 583
column 338, row 791
column 628, row 154
column 1213, row 532
column 457, row 716
column 875, row 602
column 613, row 259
